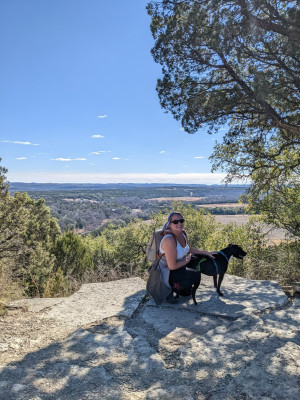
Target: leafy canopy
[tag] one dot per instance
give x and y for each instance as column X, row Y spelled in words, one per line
column 229, row 59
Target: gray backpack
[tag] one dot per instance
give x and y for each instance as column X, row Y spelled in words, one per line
column 152, row 249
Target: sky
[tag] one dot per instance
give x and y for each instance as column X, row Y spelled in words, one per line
column 78, row 102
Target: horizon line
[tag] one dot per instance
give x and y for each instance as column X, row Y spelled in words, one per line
column 113, row 177
column 126, row 183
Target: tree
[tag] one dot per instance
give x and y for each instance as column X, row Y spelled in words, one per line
column 229, row 59
column 3, row 181
column 236, row 63
column 36, row 262
column 12, row 219
column 27, row 235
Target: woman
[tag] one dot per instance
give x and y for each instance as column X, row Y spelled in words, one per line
column 176, row 255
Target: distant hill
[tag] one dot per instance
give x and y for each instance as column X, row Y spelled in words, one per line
column 32, row 187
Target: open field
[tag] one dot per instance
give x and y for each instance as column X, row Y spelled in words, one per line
column 185, row 199
column 239, row 219
column 275, row 235
column 223, row 205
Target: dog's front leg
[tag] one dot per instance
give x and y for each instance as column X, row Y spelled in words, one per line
column 215, row 281
column 221, row 276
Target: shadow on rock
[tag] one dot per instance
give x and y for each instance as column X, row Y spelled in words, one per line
column 165, row 353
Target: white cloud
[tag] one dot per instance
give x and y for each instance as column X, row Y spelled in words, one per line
column 68, row 159
column 60, row 159
column 102, row 116
column 116, row 158
column 162, row 152
column 199, row 157
column 21, row 158
column 89, row 177
column 100, row 151
column 97, row 136
column 18, row 142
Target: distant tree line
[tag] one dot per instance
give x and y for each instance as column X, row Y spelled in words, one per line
column 90, row 210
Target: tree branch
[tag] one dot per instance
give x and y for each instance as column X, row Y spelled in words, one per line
column 270, row 112
column 268, row 25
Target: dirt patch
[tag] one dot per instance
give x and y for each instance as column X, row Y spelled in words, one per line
column 240, row 219
column 187, row 198
column 223, row 205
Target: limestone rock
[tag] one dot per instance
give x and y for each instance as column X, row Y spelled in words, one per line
column 110, row 341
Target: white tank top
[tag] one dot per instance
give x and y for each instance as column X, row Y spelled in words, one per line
column 181, row 251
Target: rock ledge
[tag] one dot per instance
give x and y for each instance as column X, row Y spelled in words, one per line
column 110, row 341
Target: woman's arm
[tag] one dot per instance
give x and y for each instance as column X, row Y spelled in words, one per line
column 210, row 254
column 169, row 248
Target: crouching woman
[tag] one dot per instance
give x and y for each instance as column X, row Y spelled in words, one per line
column 176, row 254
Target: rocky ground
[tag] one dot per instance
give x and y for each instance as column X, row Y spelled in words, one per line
column 110, row 341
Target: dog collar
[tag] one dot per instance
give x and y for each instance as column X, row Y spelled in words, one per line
column 223, row 254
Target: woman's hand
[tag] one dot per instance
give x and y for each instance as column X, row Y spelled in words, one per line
column 188, row 258
column 210, row 254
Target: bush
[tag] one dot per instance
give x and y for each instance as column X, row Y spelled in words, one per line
column 72, row 255
column 9, row 288
column 60, row 285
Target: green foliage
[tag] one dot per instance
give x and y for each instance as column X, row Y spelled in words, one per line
column 120, row 251
column 72, row 255
column 224, row 60
column 279, row 263
column 13, row 218
column 278, row 201
column 9, row 288
column 252, row 240
column 236, row 63
column 36, row 262
column 225, row 210
column 59, row 285
column 27, row 235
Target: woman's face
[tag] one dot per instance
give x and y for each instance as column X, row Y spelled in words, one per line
column 178, row 225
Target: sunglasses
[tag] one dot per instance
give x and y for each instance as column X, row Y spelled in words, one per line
column 175, row 221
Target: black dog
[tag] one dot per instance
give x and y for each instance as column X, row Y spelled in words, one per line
column 213, row 267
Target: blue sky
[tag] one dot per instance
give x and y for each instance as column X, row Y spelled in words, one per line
column 78, row 100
